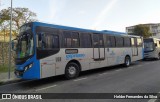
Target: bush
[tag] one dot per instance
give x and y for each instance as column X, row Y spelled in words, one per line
column 4, row 68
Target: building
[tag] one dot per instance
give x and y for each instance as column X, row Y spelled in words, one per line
column 154, row 29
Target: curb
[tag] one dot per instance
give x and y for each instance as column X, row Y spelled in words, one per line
column 9, row 81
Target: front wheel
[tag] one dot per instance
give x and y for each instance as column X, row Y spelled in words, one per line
column 127, row 61
column 72, row 70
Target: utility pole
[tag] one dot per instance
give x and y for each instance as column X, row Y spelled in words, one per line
column 3, row 44
column 10, row 44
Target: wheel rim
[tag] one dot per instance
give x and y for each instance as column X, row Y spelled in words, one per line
column 72, row 70
column 127, row 61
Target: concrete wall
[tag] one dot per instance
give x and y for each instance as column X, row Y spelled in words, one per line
column 4, row 53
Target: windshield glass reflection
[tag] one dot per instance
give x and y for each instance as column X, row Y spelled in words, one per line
column 24, row 46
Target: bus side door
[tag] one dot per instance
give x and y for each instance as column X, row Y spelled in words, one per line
column 134, row 47
column 98, row 47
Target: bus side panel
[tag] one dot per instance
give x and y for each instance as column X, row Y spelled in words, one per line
column 110, row 55
column 55, row 64
column 139, row 56
column 84, row 57
column 121, row 53
column 85, row 62
column 47, row 67
column 116, row 56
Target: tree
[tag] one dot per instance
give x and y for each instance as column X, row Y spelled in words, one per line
column 142, row 30
column 20, row 16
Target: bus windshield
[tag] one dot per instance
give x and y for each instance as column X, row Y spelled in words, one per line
column 148, row 45
column 25, row 43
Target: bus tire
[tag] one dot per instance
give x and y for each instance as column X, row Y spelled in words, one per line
column 127, row 61
column 159, row 56
column 72, row 70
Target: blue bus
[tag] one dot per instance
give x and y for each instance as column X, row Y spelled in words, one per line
column 46, row 50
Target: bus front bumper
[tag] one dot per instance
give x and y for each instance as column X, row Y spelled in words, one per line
column 31, row 73
column 150, row 55
column 19, row 73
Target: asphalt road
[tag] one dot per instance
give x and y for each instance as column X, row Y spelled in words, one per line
column 140, row 77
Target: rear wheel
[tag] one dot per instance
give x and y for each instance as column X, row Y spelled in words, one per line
column 159, row 56
column 127, row 61
column 72, row 70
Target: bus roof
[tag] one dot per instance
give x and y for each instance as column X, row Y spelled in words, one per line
column 77, row 29
column 82, row 30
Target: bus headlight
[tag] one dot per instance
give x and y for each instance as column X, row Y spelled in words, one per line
column 28, row 66
column 25, row 68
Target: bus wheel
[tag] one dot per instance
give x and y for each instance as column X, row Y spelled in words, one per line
column 159, row 56
column 127, row 61
column 72, row 70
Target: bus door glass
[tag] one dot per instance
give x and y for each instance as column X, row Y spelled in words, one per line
column 50, row 43
column 134, row 46
column 47, row 45
column 98, row 50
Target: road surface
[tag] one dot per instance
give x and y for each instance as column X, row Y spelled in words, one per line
column 140, row 77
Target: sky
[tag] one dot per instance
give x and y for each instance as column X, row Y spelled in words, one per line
column 113, row 15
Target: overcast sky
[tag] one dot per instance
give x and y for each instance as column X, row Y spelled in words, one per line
column 92, row 14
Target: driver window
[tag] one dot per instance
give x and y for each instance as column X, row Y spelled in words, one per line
column 48, row 41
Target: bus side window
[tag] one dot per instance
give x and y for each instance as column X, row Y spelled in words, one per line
column 50, row 41
column 55, row 41
column 112, row 41
column 67, row 39
column 127, row 42
column 139, row 42
column 41, row 40
column 119, row 42
column 134, row 42
column 75, row 40
column 95, row 41
column 85, row 40
column 101, row 41
column 98, row 41
column 158, row 45
column 108, row 41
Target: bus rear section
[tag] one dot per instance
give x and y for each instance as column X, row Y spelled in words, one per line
column 151, row 48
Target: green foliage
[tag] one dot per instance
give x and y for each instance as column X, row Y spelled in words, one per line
column 142, row 30
column 4, row 68
column 19, row 17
